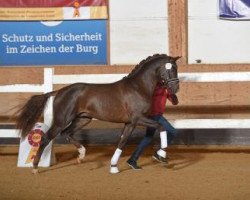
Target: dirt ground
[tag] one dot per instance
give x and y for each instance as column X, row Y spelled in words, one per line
column 192, row 173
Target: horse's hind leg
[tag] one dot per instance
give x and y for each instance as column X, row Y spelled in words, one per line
column 46, row 138
column 81, row 149
column 74, row 127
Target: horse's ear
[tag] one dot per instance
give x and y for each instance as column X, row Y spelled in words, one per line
column 176, row 58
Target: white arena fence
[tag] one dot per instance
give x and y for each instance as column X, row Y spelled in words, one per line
column 50, row 78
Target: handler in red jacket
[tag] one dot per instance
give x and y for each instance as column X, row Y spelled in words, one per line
column 157, row 109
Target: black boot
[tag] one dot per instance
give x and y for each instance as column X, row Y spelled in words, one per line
column 133, row 164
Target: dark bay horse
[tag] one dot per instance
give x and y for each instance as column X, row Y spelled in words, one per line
column 126, row 101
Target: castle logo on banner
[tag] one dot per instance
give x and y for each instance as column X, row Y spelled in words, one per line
column 29, row 147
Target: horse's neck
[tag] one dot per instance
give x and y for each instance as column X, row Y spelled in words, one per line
column 146, row 80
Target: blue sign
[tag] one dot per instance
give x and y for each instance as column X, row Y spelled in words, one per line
column 58, row 43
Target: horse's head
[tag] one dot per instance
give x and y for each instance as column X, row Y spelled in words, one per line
column 168, row 75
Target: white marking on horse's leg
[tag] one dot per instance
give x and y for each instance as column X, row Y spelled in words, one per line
column 164, row 140
column 164, row 144
column 114, row 170
column 35, row 171
column 162, row 153
column 116, row 156
column 114, row 161
column 82, row 153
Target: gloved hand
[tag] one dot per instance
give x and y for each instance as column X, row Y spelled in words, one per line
column 174, row 99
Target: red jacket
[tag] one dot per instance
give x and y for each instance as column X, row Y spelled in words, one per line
column 159, row 100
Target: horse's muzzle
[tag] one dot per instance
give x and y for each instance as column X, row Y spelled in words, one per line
column 172, row 85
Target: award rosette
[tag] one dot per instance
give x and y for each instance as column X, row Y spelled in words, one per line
column 30, row 145
column 76, row 12
column 34, row 139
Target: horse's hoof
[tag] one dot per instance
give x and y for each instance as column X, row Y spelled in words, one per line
column 34, row 171
column 79, row 160
column 114, row 170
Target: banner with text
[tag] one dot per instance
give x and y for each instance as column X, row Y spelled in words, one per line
column 26, row 10
column 53, row 43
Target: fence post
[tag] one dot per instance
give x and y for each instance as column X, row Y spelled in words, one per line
column 26, row 149
column 48, row 87
column 48, row 111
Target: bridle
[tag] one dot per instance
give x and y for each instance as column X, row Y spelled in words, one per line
column 166, row 78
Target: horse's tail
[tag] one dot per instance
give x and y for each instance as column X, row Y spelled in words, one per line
column 30, row 113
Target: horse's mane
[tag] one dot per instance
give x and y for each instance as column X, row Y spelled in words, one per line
column 144, row 62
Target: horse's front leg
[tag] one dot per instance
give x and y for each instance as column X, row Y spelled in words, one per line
column 127, row 131
column 163, row 134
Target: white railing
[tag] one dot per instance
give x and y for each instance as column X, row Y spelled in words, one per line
column 47, row 86
column 50, row 79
